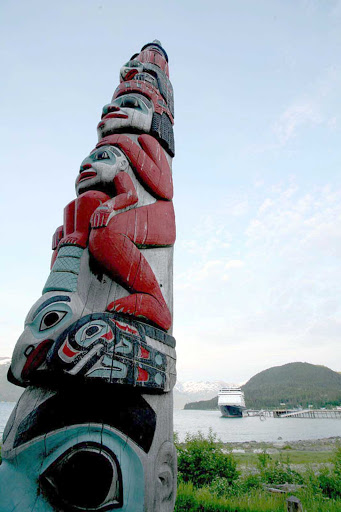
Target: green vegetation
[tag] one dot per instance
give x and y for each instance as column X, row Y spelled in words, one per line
column 203, row 405
column 293, row 384
column 295, row 456
column 211, row 479
column 202, row 459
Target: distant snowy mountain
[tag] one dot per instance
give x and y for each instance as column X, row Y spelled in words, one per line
column 193, row 391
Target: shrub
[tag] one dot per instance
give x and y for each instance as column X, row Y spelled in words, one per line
column 329, row 482
column 277, row 472
column 202, row 459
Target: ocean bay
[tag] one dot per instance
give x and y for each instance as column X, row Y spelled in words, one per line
column 236, row 430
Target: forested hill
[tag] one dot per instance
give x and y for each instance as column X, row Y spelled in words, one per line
column 294, row 384
column 203, row 405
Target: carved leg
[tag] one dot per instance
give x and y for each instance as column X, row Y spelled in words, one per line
column 114, row 248
column 77, row 218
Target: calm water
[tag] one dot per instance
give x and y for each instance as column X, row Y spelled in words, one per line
column 253, row 429
column 237, row 429
column 5, row 410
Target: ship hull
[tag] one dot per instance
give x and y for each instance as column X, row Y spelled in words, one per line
column 230, row 411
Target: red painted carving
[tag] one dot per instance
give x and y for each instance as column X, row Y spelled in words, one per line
column 142, row 375
column 144, row 353
column 113, row 237
column 154, row 57
column 77, row 216
column 115, row 248
column 149, row 163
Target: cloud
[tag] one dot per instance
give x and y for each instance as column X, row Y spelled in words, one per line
column 295, row 117
column 313, row 107
column 272, row 296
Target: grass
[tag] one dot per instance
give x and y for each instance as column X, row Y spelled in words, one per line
column 295, row 456
column 211, row 479
column 191, row 499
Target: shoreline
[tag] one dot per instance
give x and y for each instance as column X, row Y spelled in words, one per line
column 325, row 444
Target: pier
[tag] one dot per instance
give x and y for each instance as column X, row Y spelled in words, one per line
column 289, row 413
column 254, row 412
column 310, row 413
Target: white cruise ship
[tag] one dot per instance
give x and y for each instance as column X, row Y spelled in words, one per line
column 231, row 402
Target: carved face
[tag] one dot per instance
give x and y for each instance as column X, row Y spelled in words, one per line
column 85, row 448
column 46, row 320
column 130, row 69
column 72, row 464
column 98, row 170
column 130, row 112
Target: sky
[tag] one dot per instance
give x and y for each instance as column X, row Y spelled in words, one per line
column 257, row 266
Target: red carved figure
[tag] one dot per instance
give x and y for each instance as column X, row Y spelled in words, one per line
column 115, row 224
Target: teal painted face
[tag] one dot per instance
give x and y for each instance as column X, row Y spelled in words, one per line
column 98, row 170
column 130, row 112
column 83, row 467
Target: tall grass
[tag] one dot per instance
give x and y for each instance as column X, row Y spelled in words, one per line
column 209, row 481
column 192, row 499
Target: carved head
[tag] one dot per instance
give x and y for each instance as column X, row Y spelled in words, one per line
column 78, row 450
column 130, row 69
column 98, row 170
column 46, row 320
column 131, row 112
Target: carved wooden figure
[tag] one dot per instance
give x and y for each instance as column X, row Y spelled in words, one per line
column 94, row 428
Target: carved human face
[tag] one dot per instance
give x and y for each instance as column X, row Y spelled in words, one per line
column 130, row 112
column 130, row 69
column 98, row 170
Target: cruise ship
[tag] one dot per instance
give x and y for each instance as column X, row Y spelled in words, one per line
column 231, row 402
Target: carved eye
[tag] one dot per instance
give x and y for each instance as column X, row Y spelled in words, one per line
column 92, row 330
column 87, row 477
column 103, row 155
column 130, row 102
column 51, row 319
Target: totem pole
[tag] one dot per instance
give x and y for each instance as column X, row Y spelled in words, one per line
column 94, row 428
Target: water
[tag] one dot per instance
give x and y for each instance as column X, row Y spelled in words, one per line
column 5, row 410
column 252, row 428
column 237, row 429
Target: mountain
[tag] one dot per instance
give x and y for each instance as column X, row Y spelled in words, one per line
column 8, row 392
column 293, row 384
column 190, row 391
column 204, row 405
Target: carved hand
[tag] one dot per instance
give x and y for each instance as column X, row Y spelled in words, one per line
column 101, row 216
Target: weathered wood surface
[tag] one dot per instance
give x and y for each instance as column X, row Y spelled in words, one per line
column 94, row 428
column 294, row 504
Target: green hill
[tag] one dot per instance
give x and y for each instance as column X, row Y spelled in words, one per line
column 203, row 405
column 293, row 384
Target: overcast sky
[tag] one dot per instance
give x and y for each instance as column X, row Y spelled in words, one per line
column 257, row 168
